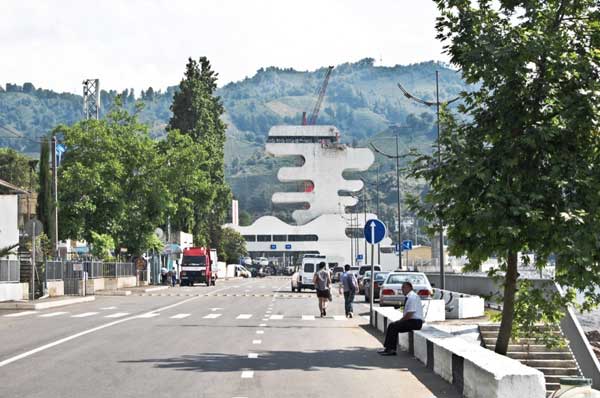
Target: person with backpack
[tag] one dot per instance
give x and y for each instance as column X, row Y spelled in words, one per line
column 349, row 285
column 322, row 282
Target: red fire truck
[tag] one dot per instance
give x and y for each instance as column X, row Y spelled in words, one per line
column 198, row 266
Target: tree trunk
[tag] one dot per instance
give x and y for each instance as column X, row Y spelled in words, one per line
column 508, row 305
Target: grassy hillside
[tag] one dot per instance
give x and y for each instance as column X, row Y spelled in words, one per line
column 362, row 100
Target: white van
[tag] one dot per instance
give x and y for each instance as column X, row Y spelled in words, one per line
column 310, row 263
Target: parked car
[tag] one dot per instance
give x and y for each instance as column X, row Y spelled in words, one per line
column 361, row 273
column 242, row 271
column 391, row 290
column 379, row 279
column 262, row 261
column 247, row 261
column 337, row 272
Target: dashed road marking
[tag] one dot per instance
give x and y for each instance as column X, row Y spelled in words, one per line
column 117, row 315
column 18, row 314
column 149, row 315
column 109, row 308
column 211, row 316
column 244, row 316
column 256, row 341
column 84, row 315
column 276, row 317
column 180, row 316
column 252, row 355
column 308, row 317
column 260, row 332
column 215, row 309
column 339, row 317
column 53, row 314
column 247, row 374
column 262, row 325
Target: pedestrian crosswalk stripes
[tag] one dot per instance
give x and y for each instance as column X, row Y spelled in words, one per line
column 84, row 315
column 180, row 316
column 276, row 317
column 308, row 317
column 244, row 316
column 277, row 295
column 117, row 315
column 19, row 314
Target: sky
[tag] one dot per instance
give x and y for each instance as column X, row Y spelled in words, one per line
column 56, row 44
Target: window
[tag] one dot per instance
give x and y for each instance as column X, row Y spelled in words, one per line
column 303, row 238
column 263, row 238
column 309, row 267
column 279, row 238
column 194, row 260
column 250, row 238
column 401, row 278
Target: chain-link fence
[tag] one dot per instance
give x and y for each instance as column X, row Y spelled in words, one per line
column 9, row 271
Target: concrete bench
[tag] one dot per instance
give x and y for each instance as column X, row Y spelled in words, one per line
column 460, row 305
column 475, row 371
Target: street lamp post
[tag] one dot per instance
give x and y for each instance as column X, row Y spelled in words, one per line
column 437, row 104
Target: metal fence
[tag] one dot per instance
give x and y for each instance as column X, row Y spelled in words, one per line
column 57, row 270
column 54, row 270
column 9, row 271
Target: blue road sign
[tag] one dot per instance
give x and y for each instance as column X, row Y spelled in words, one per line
column 288, row 246
column 406, row 245
column 273, row 247
column 359, row 256
column 375, row 231
column 397, row 249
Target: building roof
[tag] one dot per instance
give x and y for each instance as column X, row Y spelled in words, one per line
column 304, row 131
column 12, row 187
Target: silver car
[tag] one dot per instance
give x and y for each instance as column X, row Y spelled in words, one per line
column 391, row 290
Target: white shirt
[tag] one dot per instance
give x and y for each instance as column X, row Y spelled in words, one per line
column 413, row 304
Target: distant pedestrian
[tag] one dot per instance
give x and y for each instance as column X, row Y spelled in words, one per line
column 174, row 278
column 163, row 275
column 411, row 320
column 322, row 282
column 169, row 277
column 349, row 285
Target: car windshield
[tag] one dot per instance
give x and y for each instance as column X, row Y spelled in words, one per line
column 415, row 279
column 196, row 260
column 379, row 276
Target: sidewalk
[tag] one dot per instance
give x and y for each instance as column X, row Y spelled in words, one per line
column 127, row 291
column 42, row 304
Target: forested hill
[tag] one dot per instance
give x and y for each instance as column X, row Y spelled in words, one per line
column 361, row 100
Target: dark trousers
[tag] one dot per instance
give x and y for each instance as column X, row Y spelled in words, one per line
column 391, row 335
column 348, row 299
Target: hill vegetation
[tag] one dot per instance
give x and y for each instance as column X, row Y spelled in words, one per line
column 362, row 100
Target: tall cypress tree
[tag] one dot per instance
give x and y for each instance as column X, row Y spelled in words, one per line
column 197, row 112
column 44, row 199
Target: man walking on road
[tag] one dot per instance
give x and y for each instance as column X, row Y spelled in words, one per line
column 412, row 320
column 349, row 284
column 322, row 282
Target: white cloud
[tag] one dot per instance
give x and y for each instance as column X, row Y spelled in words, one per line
column 133, row 43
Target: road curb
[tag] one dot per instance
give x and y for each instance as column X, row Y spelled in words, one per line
column 26, row 305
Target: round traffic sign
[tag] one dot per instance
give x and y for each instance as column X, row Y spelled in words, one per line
column 375, row 231
column 34, row 227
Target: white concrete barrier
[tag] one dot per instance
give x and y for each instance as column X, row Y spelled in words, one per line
column 11, row 291
column 460, row 305
column 475, row 371
column 56, row 288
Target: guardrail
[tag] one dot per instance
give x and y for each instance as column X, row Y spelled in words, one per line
column 9, row 271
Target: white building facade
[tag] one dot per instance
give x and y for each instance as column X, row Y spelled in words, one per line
column 322, row 225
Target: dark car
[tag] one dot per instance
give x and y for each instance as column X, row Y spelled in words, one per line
column 337, row 273
column 379, row 279
column 361, row 274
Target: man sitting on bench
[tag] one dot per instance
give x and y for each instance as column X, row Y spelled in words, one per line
column 412, row 320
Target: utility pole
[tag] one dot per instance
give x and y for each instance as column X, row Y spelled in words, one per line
column 378, row 216
column 91, row 99
column 55, row 198
column 437, row 104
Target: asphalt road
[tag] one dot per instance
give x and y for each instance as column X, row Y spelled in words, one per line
column 242, row 338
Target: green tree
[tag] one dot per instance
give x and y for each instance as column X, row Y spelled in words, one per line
column 111, row 181
column 197, row 112
column 14, row 168
column 234, row 245
column 520, row 171
column 45, row 201
column 102, row 245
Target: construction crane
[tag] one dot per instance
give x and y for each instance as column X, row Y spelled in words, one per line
column 315, row 113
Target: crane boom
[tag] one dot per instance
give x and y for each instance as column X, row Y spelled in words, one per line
column 315, row 113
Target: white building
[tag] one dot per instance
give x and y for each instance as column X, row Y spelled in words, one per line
column 323, row 226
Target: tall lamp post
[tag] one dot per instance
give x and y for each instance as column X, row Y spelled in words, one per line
column 397, row 157
column 437, row 104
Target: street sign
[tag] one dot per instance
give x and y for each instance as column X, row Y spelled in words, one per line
column 34, row 227
column 273, row 247
column 407, row 245
column 359, row 257
column 288, row 246
column 77, row 267
column 375, row 231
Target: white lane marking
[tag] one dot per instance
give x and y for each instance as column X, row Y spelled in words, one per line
column 84, row 315
column 339, row 318
column 247, row 374
column 256, row 341
column 268, row 311
column 308, row 317
column 244, row 316
column 117, row 315
column 235, row 287
column 23, row 313
column 108, row 308
column 252, row 355
column 276, row 317
column 180, row 316
column 215, row 309
column 53, row 314
column 85, row 332
column 262, row 325
column 265, row 319
column 212, row 316
column 149, row 315
column 260, row 332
